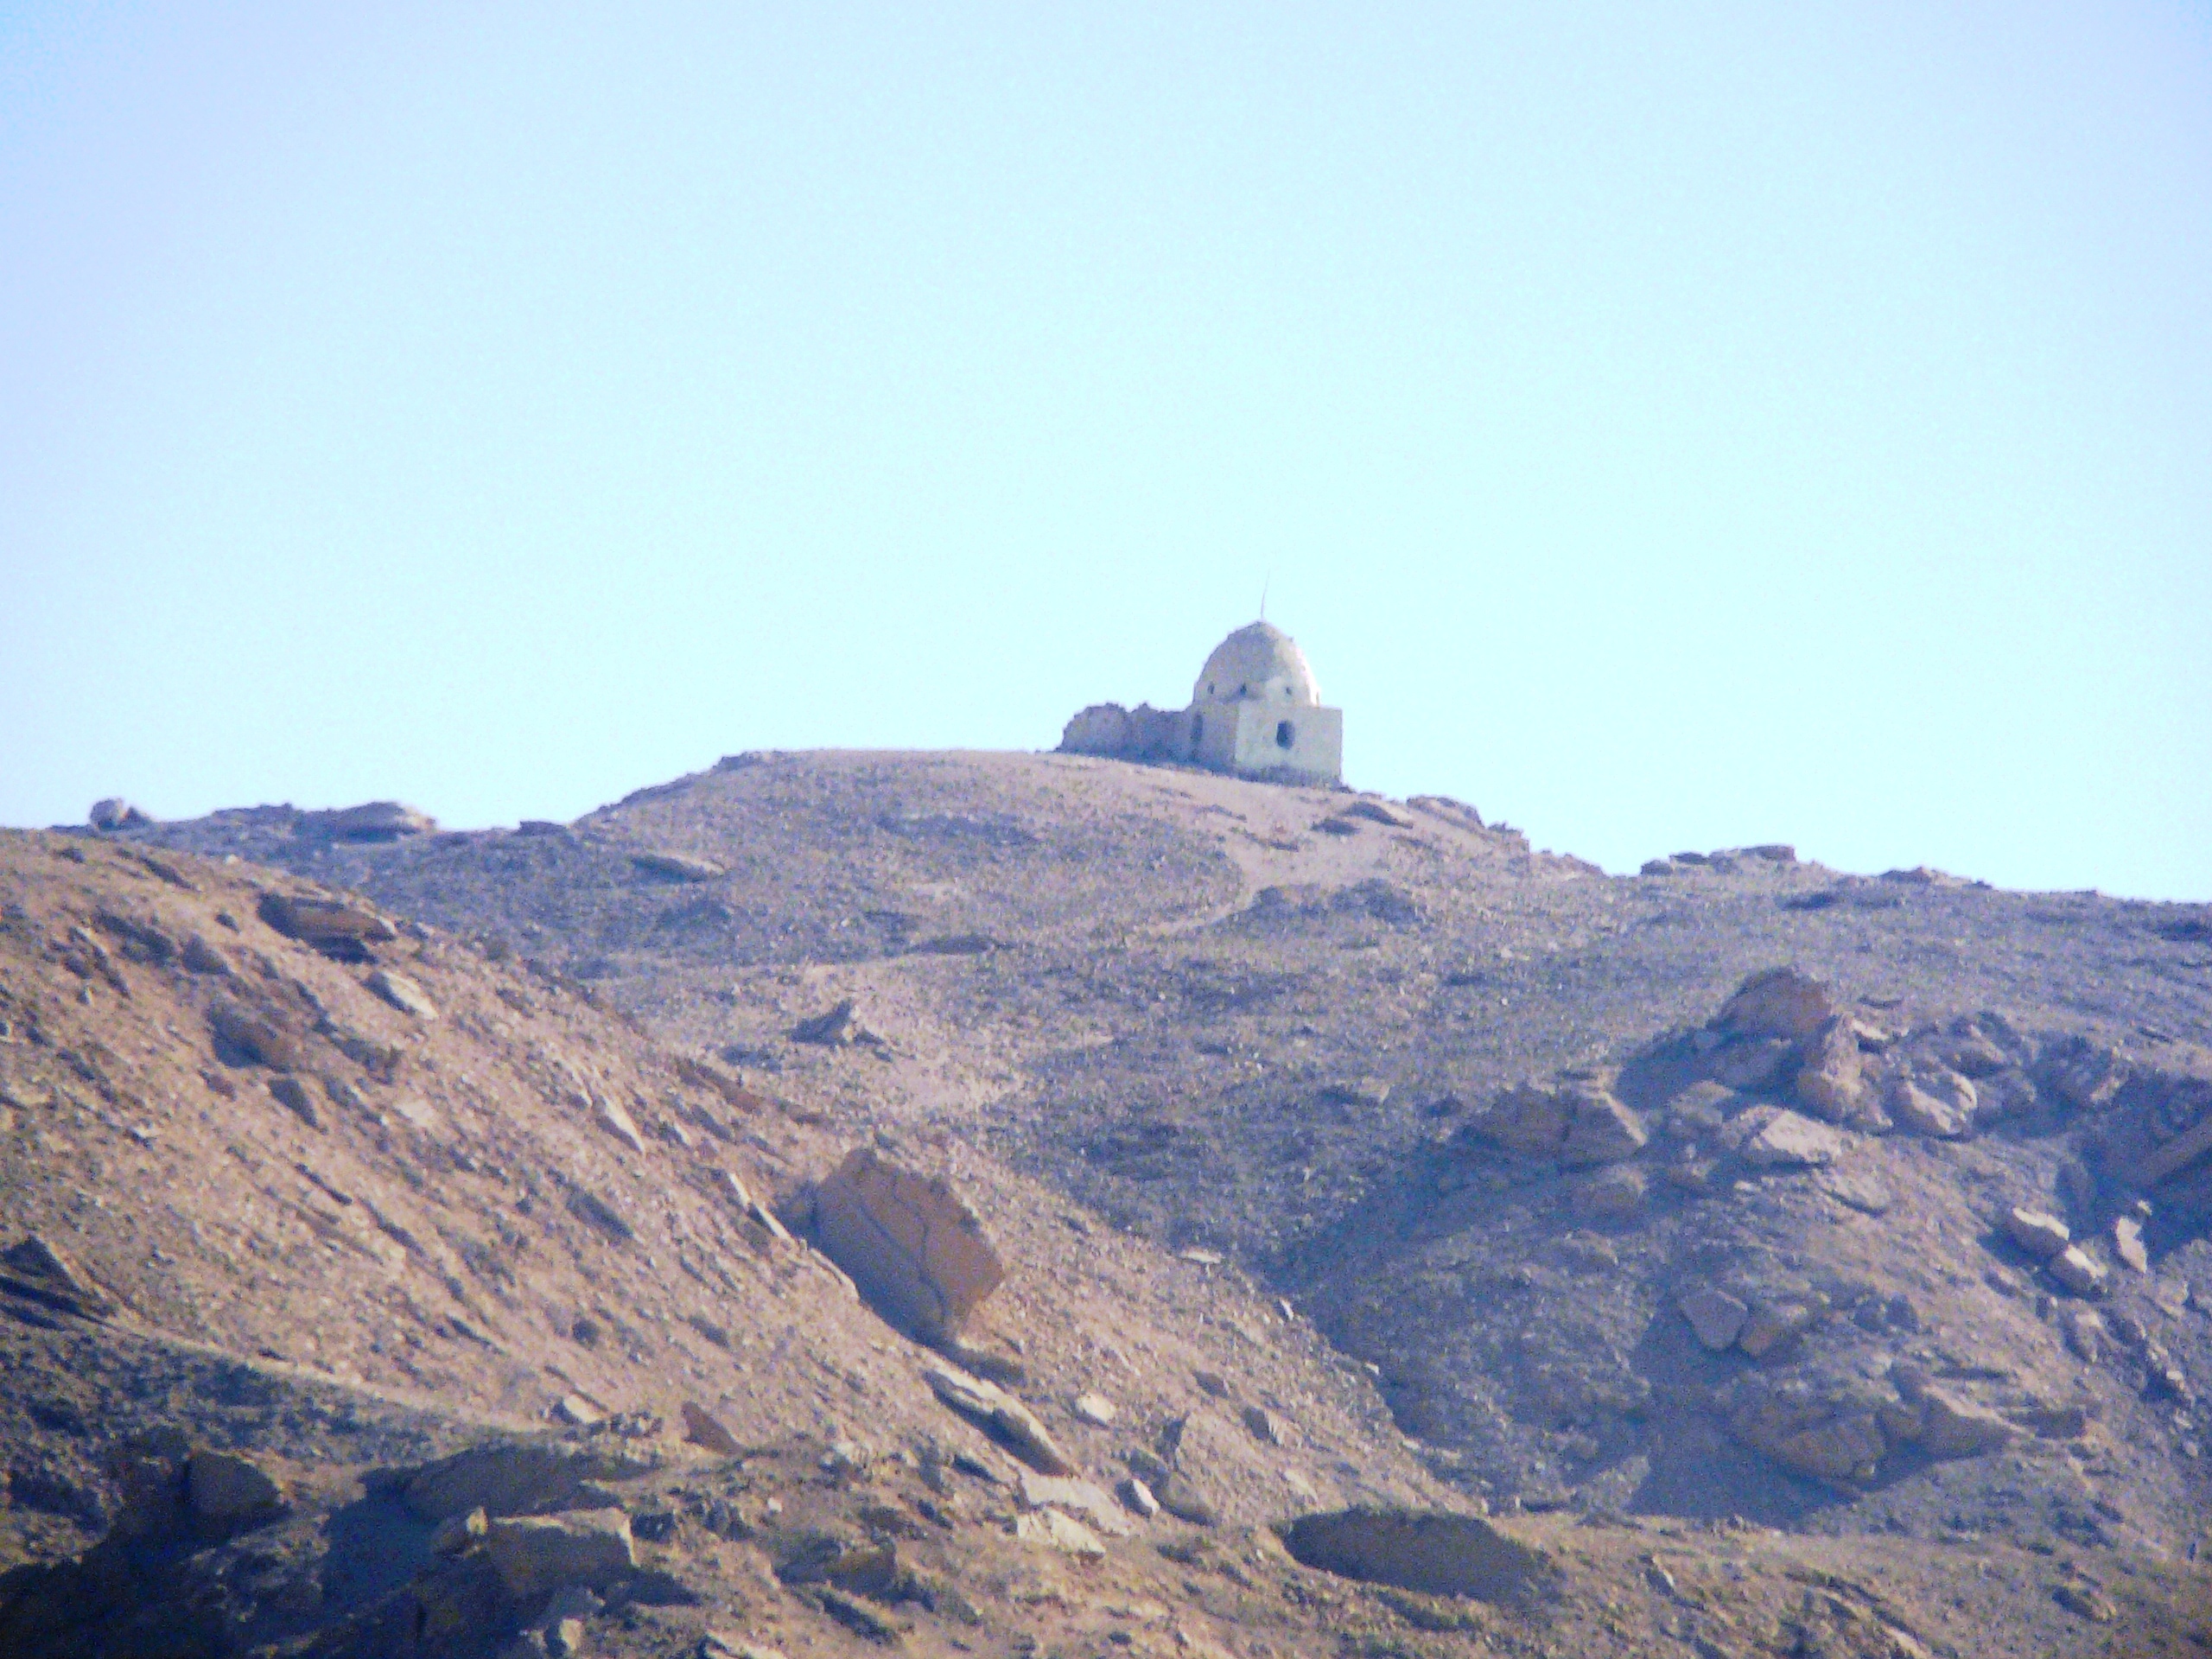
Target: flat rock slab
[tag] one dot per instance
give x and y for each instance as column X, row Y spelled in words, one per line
column 1008, row 1421
column 516, row 1478
column 2037, row 1231
column 1789, row 1140
column 1429, row 1550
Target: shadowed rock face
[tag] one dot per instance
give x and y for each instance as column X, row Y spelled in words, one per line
column 1439, row 1553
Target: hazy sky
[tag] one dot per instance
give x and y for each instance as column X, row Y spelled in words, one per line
column 1664, row 426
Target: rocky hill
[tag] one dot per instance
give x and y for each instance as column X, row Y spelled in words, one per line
column 1882, row 1279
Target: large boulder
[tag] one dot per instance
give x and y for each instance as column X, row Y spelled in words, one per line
column 1827, row 1427
column 339, row 928
column 1831, row 1077
column 537, row 1553
column 1776, row 1002
column 1787, row 1141
column 1578, row 1122
column 912, row 1244
column 1429, row 1550
column 229, row 1493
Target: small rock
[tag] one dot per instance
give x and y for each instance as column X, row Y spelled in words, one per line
column 1432, row 1551
column 1927, row 1114
column 458, row 1534
column 1714, row 1316
column 1832, row 1081
column 1578, row 1122
column 838, row 1028
column 1095, row 1409
column 229, row 1493
column 577, row 1411
column 2084, row 1328
column 1137, row 1497
column 34, row 1269
column 2078, row 1270
column 1789, row 1141
column 617, row 1122
column 402, row 994
column 2086, row 1601
column 2037, row 1231
column 1057, row 1531
column 1768, row 1326
column 536, row 1553
column 1266, row 1427
column 1079, row 1497
column 703, row 1429
column 293, row 1094
column 338, row 928
column 1953, row 1427
column 518, row 1477
column 2128, row 1245
column 1862, row 1192
column 1212, row 1383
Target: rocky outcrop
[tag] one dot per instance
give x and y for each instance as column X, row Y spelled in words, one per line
column 1429, row 1550
column 338, row 928
column 912, row 1245
column 1579, row 1120
column 1776, row 1002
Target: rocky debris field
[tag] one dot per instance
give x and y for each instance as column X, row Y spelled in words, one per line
column 1741, row 1199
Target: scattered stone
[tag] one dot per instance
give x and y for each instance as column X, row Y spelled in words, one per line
column 229, row 1493
column 1953, row 1427
column 1778, row 1002
column 677, row 866
column 1080, row 1497
column 402, row 994
column 1787, row 1141
column 703, row 1429
column 1137, row 1498
column 201, row 957
column 2128, row 1245
column 2037, row 1231
column 534, row 1554
column 1213, row 1384
column 1095, row 1409
column 1863, row 1193
column 916, row 1249
column 2078, row 1270
column 1618, row 1194
column 1926, row 1112
column 34, row 1269
column 1054, row 1530
column 1714, row 1316
column 1431, row 1551
column 1012, row 1424
column 577, row 1411
column 1377, row 812
column 1579, row 1122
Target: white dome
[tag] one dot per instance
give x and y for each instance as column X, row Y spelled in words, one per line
column 1259, row 663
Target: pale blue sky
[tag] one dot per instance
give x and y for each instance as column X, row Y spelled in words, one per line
column 1664, row 426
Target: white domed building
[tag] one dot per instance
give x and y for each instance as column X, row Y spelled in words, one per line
column 1256, row 711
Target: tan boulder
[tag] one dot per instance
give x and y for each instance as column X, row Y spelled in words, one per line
column 1007, row 1421
column 338, row 928
column 1951, row 1426
column 1831, row 1080
column 1579, row 1122
column 703, row 1429
column 912, row 1244
column 537, row 1553
column 2037, row 1231
column 1940, row 1114
column 402, row 994
column 1778, row 1002
column 2128, row 1245
column 2079, row 1271
column 1789, row 1141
